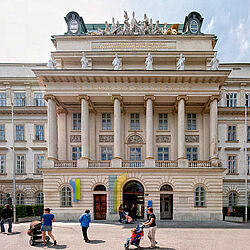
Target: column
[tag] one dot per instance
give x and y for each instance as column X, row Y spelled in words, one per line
column 181, row 127
column 149, row 127
column 117, row 128
column 85, row 126
column 52, row 127
column 62, row 135
column 213, row 128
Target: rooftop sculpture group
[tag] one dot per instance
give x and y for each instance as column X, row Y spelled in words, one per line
column 134, row 27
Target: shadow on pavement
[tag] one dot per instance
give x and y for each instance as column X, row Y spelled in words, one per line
column 162, row 248
column 96, row 241
column 51, row 245
column 13, row 233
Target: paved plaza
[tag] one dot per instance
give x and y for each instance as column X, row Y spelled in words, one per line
column 112, row 235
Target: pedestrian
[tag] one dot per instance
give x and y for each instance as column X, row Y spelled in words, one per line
column 133, row 211
column 121, row 212
column 47, row 219
column 6, row 215
column 85, row 219
column 147, row 213
column 126, row 210
column 152, row 227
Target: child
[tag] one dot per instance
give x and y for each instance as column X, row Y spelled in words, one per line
column 133, row 231
column 47, row 225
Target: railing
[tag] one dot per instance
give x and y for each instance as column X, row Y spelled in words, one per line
column 99, row 164
column 132, row 164
column 199, row 164
column 65, row 164
column 166, row 164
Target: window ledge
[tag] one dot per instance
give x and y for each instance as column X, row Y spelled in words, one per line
column 131, row 130
column 77, row 131
column 21, row 174
column 106, row 130
column 37, row 173
column 192, row 130
column 3, row 140
column 39, row 140
column 66, row 206
column 3, row 174
column 20, row 141
column 232, row 173
column 200, row 206
column 237, row 141
column 162, row 130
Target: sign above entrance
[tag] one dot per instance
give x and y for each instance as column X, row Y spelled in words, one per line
column 124, row 46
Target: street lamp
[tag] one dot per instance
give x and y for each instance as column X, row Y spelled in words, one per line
column 14, row 168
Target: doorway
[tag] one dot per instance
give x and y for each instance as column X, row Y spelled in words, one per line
column 100, row 204
column 166, row 206
column 133, row 193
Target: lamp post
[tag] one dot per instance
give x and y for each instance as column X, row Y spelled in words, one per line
column 14, row 168
column 245, row 162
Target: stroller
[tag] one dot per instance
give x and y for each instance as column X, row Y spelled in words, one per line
column 35, row 233
column 137, row 238
column 127, row 219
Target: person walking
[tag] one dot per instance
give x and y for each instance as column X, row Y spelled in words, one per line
column 47, row 220
column 133, row 211
column 151, row 222
column 85, row 219
column 121, row 212
column 6, row 215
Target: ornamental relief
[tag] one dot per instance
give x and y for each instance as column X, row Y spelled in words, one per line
column 135, row 139
column 191, row 138
column 106, row 138
column 163, row 138
column 75, row 138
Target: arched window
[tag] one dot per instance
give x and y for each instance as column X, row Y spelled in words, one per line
column 66, row 197
column 2, row 199
column 232, row 199
column 39, row 198
column 133, row 187
column 166, row 188
column 199, row 197
column 20, row 199
column 100, row 188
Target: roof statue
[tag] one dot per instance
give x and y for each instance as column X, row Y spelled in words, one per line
column 113, row 26
column 157, row 29
column 84, row 61
column 51, row 63
column 116, row 62
column 181, row 63
column 145, row 25
column 134, row 25
column 119, row 30
column 149, row 62
column 215, row 62
column 126, row 23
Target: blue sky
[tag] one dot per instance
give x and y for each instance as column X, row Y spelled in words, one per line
column 26, row 25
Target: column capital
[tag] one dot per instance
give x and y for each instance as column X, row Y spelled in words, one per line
column 179, row 97
column 146, row 97
column 118, row 97
column 86, row 97
column 47, row 97
column 214, row 97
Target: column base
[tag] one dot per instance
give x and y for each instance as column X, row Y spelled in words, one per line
column 116, row 162
column 83, row 162
column 182, row 163
column 149, row 163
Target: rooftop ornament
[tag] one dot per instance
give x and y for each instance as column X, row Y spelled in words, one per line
column 215, row 62
column 75, row 23
column 51, row 63
column 84, row 61
column 181, row 63
column 116, row 63
column 149, row 62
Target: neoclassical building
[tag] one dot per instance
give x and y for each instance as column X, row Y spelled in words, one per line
column 137, row 113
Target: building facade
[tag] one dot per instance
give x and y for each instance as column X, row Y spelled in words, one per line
column 134, row 114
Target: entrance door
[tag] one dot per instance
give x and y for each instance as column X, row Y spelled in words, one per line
column 100, row 205
column 166, row 206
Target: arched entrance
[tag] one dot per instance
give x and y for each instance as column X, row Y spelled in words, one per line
column 133, row 193
column 166, row 202
column 100, row 202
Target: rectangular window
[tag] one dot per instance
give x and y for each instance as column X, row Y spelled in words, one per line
column 231, row 99
column 76, row 121
column 20, row 164
column 163, row 154
column 2, row 132
column 135, row 154
column 2, row 99
column 248, row 164
column 191, row 121
column 76, row 153
column 19, row 99
column 231, row 162
column 2, row 164
column 192, row 153
column 106, row 121
column 231, row 133
column 19, row 132
column 248, row 133
column 163, row 122
column 106, row 153
column 39, row 136
column 134, row 121
column 38, row 163
column 38, row 100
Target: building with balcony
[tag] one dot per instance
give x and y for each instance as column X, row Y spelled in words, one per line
column 125, row 122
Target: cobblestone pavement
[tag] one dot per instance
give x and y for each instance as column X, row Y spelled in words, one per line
column 112, row 235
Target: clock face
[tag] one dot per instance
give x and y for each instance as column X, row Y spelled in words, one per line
column 193, row 26
column 73, row 25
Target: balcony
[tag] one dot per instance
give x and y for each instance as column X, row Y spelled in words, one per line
column 199, row 164
column 166, row 164
column 65, row 164
column 132, row 164
column 99, row 164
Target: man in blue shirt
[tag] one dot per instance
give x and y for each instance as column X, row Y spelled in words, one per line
column 85, row 219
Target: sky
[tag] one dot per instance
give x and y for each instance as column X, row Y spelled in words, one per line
column 27, row 25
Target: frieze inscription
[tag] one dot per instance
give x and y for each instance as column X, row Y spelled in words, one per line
column 191, row 138
column 163, row 138
column 106, row 138
column 75, row 138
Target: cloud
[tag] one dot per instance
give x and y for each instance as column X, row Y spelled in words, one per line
column 209, row 28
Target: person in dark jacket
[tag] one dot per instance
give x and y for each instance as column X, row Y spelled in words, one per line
column 85, row 219
column 6, row 215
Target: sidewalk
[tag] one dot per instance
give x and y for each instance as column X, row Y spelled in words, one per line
column 112, row 235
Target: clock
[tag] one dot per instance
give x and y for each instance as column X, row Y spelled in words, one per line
column 73, row 26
